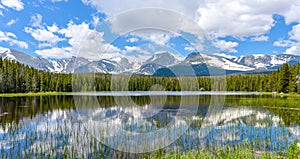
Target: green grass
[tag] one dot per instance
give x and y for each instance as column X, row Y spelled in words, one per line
column 244, row 152
column 283, row 95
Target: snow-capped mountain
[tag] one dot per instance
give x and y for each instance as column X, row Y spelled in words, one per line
column 164, row 59
column 111, row 65
column 263, row 61
column 157, row 61
column 215, row 61
column 150, row 64
column 149, row 68
column 36, row 62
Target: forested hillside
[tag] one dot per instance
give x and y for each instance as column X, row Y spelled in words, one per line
column 18, row 78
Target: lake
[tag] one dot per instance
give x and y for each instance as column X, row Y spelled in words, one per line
column 129, row 125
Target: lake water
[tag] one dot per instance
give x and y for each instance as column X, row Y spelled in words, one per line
column 126, row 125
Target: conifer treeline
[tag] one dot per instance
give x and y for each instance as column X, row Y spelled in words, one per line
column 18, row 78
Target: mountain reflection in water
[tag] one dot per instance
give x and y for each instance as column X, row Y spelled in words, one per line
column 52, row 124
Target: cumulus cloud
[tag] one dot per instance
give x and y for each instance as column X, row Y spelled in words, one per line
column 139, row 53
column 188, row 48
column 132, row 49
column 132, row 40
column 83, row 41
column 59, row 1
column 55, row 52
column 53, row 28
column 283, row 43
column 36, row 20
column 155, row 19
column 219, row 18
column 157, row 26
column 11, row 38
column 109, row 7
column 43, row 35
column 295, row 33
column 294, row 50
column 95, row 21
column 11, row 22
column 238, row 18
column 260, row 38
column 227, row 46
column 293, row 12
column 14, row 4
column 155, row 36
column 293, row 42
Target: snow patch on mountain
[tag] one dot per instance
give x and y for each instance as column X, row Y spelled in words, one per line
column 223, row 63
column 141, row 63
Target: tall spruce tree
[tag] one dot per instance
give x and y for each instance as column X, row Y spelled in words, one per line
column 284, row 77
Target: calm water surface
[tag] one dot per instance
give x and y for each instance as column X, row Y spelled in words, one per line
column 87, row 126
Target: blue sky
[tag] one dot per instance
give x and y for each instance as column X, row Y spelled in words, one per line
column 59, row 28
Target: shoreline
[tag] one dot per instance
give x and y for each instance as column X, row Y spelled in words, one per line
column 176, row 92
column 33, row 94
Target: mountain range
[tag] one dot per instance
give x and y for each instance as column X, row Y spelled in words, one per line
column 158, row 64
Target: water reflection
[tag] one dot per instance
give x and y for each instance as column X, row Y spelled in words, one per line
column 50, row 125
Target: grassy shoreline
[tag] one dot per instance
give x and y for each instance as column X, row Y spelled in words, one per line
column 70, row 93
column 32, row 94
column 283, row 95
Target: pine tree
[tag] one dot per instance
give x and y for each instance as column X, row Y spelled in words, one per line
column 284, row 77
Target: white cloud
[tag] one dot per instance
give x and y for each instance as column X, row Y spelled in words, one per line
column 188, row 48
column 47, row 36
column 11, row 38
column 58, row 1
column 227, row 46
column 283, row 43
column 79, row 33
column 157, row 26
column 54, row 28
column 237, row 18
column 260, row 38
column 109, row 7
column 155, row 36
column 11, row 22
column 132, row 40
column 138, row 54
column 132, row 49
column 55, row 52
column 295, row 33
column 292, row 14
column 36, row 20
column 294, row 50
column 83, row 41
column 293, row 41
column 10, row 34
column 144, row 50
column 14, row 4
column 43, row 35
column 44, row 45
column 95, row 21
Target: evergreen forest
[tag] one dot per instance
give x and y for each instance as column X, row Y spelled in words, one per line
column 19, row 78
